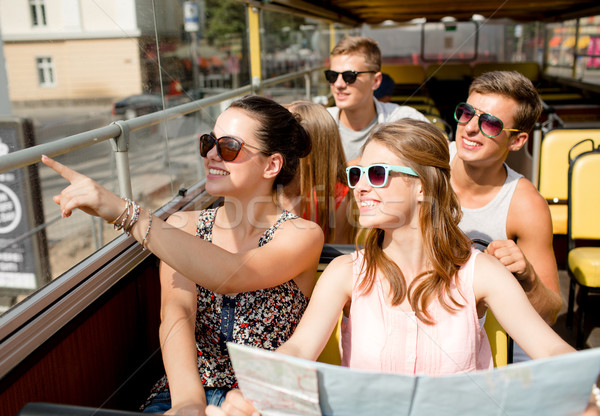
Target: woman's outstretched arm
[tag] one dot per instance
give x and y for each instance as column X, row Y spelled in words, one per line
column 293, row 252
column 496, row 286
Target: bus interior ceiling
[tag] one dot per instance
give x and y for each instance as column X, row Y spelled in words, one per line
column 446, row 79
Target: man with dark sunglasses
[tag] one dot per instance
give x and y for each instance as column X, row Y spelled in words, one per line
column 354, row 75
column 499, row 205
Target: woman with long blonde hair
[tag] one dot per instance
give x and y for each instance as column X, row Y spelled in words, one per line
column 319, row 191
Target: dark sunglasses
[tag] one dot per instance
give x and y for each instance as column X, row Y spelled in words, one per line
column 489, row 125
column 228, row 148
column 377, row 175
column 348, row 76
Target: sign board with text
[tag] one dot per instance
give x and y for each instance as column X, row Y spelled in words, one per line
column 23, row 252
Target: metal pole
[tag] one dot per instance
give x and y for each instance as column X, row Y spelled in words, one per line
column 575, row 51
column 194, row 47
column 191, row 16
column 307, row 86
column 5, row 108
column 120, row 145
column 535, row 157
column 254, row 35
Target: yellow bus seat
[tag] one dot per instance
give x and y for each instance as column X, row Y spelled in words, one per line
column 554, row 166
column 549, row 97
column 530, row 70
column 584, row 225
column 449, row 72
column 412, row 99
column 405, row 73
column 331, row 352
column 441, row 124
column 499, row 340
column 426, row 109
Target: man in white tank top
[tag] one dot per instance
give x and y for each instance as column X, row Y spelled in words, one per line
column 500, row 207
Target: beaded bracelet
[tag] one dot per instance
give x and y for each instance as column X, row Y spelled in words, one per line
column 145, row 240
column 596, row 394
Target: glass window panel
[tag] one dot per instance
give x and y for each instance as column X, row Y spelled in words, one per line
column 143, row 61
column 292, row 44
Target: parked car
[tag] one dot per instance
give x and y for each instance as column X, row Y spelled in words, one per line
column 140, row 104
column 137, row 105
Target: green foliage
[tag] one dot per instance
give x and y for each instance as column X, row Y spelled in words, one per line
column 225, row 19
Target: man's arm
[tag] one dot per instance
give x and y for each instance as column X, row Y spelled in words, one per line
column 531, row 259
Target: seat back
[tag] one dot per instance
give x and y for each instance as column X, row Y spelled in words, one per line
column 498, row 339
column 554, row 167
column 449, row 71
column 405, row 73
column 530, row 70
column 331, row 352
column 584, row 197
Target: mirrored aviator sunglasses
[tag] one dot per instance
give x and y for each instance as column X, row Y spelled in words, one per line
column 377, row 175
column 349, row 77
column 489, row 125
column 228, row 148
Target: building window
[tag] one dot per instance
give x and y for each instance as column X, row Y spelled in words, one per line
column 38, row 13
column 45, row 69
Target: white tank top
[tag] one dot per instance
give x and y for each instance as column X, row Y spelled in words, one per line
column 488, row 223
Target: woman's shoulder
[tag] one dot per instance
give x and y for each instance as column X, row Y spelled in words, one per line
column 484, row 262
column 340, row 270
column 298, row 224
column 345, row 261
column 296, row 232
column 188, row 220
column 489, row 272
column 343, row 264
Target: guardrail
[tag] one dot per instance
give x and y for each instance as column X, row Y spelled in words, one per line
column 119, row 131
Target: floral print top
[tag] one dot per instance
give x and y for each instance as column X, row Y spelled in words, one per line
column 263, row 318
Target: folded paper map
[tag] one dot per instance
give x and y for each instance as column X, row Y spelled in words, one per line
column 278, row 384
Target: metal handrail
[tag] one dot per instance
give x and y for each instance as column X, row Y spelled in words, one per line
column 31, row 155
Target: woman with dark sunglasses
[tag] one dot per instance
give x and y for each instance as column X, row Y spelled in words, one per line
column 418, row 289
column 242, row 272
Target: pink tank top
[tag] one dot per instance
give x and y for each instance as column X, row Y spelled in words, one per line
column 378, row 337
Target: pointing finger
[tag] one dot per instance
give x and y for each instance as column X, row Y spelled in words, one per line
column 64, row 171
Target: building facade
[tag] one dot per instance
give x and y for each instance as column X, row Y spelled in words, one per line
column 71, row 50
